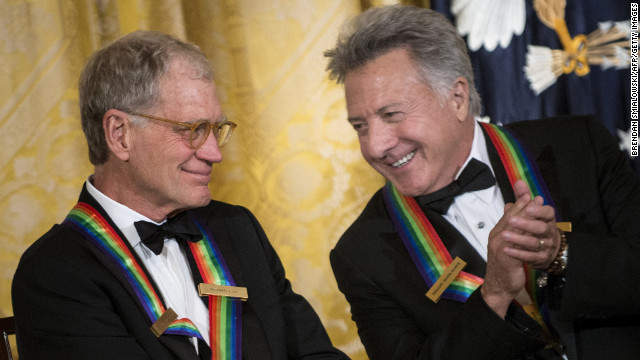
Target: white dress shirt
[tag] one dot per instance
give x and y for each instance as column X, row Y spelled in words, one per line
column 170, row 269
column 475, row 214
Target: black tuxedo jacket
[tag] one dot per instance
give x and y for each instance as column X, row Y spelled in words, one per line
column 71, row 303
column 597, row 303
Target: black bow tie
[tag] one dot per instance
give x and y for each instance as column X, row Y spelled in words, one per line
column 475, row 176
column 179, row 227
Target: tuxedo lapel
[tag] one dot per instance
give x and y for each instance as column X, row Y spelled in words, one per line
column 544, row 159
column 221, row 236
column 499, row 171
column 457, row 244
column 547, row 164
column 179, row 345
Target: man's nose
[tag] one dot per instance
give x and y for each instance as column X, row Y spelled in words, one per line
column 381, row 137
column 209, row 150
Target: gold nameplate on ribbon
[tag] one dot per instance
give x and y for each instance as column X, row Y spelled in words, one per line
column 163, row 322
column 237, row 292
column 564, row 226
column 445, row 280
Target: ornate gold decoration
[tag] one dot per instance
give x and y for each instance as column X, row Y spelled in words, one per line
column 606, row 46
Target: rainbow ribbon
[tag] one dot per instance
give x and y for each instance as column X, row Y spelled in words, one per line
column 425, row 246
column 225, row 312
column 517, row 161
column 519, row 164
column 89, row 222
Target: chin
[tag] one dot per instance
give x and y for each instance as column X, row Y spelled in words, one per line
column 204, row 201
column 408, row 189
column 199, row 198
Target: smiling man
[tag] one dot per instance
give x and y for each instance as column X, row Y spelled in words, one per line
column 487, row 242
column 146, row 265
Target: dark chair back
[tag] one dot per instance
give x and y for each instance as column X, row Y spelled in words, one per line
column 7, row 327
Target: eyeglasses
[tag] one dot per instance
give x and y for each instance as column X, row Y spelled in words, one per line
column 199, row 130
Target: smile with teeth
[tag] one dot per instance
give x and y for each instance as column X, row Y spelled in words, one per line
column 404, row 160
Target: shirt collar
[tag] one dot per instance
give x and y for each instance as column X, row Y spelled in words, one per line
column 479, row 152
column 122, row 216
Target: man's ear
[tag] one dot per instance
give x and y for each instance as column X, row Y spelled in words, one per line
column 117, row 132
column 460, row 98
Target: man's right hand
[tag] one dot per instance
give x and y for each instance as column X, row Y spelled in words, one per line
column 505, row 276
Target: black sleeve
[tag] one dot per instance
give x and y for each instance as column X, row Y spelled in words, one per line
column 604, row 256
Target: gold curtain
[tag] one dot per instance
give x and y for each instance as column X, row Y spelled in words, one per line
column 294, row 161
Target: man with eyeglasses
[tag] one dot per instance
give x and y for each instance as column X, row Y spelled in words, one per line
column 146, row 265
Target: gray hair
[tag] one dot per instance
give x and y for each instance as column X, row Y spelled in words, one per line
column 432, row 41
column 125, row 75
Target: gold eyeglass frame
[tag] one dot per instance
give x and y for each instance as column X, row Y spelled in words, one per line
column 194, row 125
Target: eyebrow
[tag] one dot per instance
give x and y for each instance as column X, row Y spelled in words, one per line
column 380, row 111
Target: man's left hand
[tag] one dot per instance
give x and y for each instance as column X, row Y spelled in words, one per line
column 533, row 234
